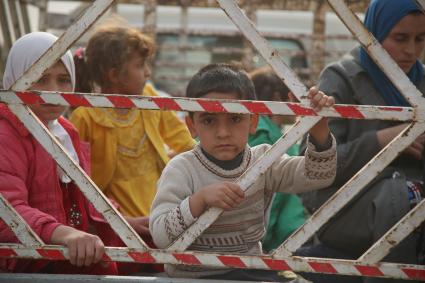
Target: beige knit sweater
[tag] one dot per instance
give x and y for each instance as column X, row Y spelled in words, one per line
column 238, row 231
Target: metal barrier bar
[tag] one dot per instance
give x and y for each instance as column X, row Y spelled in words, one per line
column 64, row 278
column 266, row 262
column 40, row 132
column 210, row 105
column 421, row 3
column 18, row 225
column 395, row 235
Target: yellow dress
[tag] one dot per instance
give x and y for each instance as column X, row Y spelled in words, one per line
column 128, row 151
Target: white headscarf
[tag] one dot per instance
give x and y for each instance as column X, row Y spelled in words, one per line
column 26, row 51
column 23, row 54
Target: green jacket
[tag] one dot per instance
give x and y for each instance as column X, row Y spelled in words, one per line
column 287, row 211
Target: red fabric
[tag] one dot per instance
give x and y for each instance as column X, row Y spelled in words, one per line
column 29, row 181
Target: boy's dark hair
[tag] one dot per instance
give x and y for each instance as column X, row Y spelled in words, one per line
column 221, row 77
column 267, row 84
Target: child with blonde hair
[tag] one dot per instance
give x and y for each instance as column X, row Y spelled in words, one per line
column 128, row 145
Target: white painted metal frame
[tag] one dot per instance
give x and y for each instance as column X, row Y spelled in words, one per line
column 18, row 225
column 175, row 253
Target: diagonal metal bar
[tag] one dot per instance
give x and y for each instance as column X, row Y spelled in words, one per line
column 211, row 105
column 378, row 54
column 40, row 132
column 18, row 225
column 351, row 189
column 421, row 3
column 271, row 55
column 395, row 235
column 246, row 180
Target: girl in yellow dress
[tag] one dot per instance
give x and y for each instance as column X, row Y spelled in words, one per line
column 128, row 146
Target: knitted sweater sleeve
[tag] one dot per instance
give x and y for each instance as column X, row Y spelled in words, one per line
column 170, row 212
column 297, row 174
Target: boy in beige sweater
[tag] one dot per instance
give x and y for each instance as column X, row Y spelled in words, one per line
column 204, row 177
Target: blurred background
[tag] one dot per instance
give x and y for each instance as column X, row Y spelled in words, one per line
column 192, row 33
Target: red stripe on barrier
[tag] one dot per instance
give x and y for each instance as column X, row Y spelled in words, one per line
column 349, row 112
column 275, row 264
column 121, row 101
column 300, row 110
column 414, row 273
column 399, row 109
column 142, row 257
column 106, row 257
column 212, row 106
column 51, row 254
column 323, row 267
column 369, row 270
column 189, row 259
column 76, row 99
column 257, row 107
column 7, row 253
column 232, row 261
column 166, row 103
column 30, row 97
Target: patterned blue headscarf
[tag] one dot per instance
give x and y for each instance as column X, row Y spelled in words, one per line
column 381, row 17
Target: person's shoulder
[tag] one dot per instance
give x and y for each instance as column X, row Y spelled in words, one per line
column 348, row 65
column 184, row 159
column 10, row 124
column 149, row 90
column 82, row 111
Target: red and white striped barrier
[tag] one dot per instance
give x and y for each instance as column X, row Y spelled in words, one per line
column 297, row 264
column 208, row 105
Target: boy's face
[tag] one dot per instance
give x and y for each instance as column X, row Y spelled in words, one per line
column 222, row 135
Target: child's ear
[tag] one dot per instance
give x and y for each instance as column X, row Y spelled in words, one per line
column 191, row 126
column 113, row 76
column 253, row 125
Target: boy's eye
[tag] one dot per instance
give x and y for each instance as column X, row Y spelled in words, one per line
column 236, row 118
column 207, row 120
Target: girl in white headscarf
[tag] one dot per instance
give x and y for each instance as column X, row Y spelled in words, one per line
column 44, row 196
